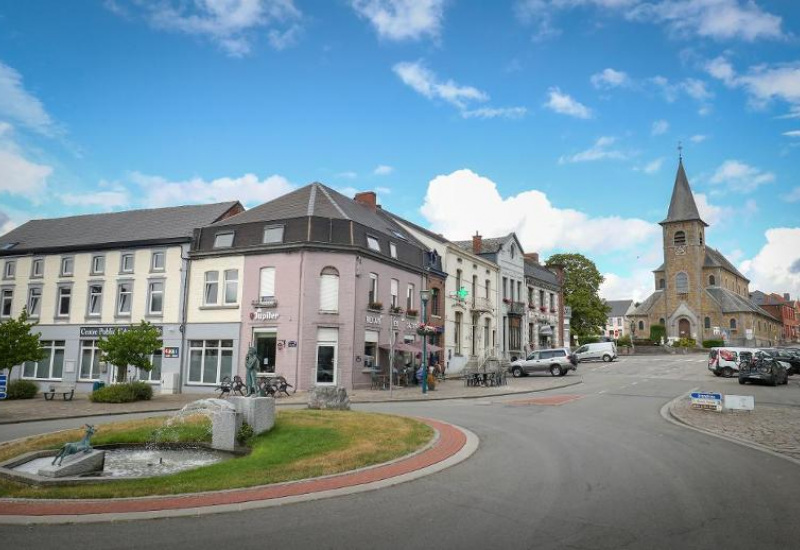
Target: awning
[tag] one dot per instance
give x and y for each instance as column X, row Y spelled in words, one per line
column 546, row 331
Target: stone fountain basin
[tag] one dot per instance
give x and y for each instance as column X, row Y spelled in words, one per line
column 140, row 462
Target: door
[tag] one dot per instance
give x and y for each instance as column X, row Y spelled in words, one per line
column 326, row 363
column 265, row 343
column 684, row 328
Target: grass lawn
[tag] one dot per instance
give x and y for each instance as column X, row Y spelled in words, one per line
column 302, row 444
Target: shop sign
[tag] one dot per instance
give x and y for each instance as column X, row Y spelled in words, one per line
column 171, row 353
column 292, row 344
column 707, row 401
column 97, row 331
column 259, row 315
column 374, row 319
column 266, row 302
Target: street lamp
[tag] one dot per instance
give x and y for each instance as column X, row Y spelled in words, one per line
column 424, row 295
column 392, row 337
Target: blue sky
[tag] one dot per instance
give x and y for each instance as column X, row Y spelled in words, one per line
column 558, row 119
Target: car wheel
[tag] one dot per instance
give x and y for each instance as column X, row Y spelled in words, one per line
column 774, row 380
column 727, row 372
column 742, row 381
column 556, row 370
column 516, row 372
column 606, row 358
column 716, row 373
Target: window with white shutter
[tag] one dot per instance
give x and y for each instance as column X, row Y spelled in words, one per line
column 267, row 288
column 329, row 290
column 395, row 293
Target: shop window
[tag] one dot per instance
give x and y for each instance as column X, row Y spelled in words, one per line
column 209, row 361
column 51, row 365
column 90, row 360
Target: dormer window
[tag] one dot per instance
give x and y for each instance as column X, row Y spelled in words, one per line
column 680, row 238
column 273, row 234
column 393, row 250
column 373, row 244
column 223, row 240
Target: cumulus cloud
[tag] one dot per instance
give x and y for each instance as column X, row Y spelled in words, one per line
column 479, row 199
column 653, row 166
column 495, row 112
column 601, row 150
column 740, row 177
column 564, row 104
column 698, row 138
column 763, row 83
column 711, row 213
column 231, row 24
column 659, row 127
column 6, row 224
column 104, row 200
column 19, row 175
column 609, row 78
column 792, row 133
column 383, row 170
column 773, row 269
column 792, row 196
column 402, row 19
column 19, row 105
column 637, row 286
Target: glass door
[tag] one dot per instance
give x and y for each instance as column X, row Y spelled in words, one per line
column 266, row 343
column 326, row 363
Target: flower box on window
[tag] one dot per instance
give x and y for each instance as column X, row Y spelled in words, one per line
column 377, row 306
column 542, row 309
column 397, row 310
column 411, row 313
column 426, row 330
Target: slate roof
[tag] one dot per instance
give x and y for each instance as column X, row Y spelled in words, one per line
column 541, row 273
column 619, row 308
column 173, row 224
column 730, row 302
column 762, row 299
column 715, row 259
column 488, row 246
column 645, row 307
column 682, row 206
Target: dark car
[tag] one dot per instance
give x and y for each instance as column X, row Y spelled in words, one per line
column 762, row 367
column 787, row 355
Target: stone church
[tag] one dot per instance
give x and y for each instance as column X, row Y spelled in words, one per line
column 699, row 294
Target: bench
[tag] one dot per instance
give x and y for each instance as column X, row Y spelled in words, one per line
column 67, row 391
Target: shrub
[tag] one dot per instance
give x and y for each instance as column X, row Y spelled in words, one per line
column 245, row 433
column 624, row 341
column 657, row 332
column 589, row 340
column 21, row 389
column 643, row 342
column 713, row 343
column 685, row 343
column 123, row 393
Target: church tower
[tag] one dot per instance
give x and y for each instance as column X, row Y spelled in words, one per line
column 681, row 279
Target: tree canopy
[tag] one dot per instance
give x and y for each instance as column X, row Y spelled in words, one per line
column 18, row 343
column 581, row 286
column 130, row 347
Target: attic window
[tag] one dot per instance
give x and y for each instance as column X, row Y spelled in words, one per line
column 8, row 246
column 273, row 234
column 398, row 234
column 393, row 250
column 223, row 240
column 373, row 244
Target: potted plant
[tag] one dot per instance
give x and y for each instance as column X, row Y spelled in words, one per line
column 426, row 330
column 411, row 312
column 397, row 310
column 377, row 306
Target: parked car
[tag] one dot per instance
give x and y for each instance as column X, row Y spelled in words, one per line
column 556, row 361
column 786, row 355
column 607, row 351
column 762, row 367
column 724, row 361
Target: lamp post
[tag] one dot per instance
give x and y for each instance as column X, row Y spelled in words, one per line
column 392, row 338
column 423, row 296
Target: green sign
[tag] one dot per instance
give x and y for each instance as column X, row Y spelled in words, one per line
column 462, row 293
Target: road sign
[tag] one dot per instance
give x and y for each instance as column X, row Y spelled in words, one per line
column 3, row 382
column 705, row 401
column 740, row 402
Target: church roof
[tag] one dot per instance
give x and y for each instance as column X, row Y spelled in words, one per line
column 682, row 207
column 619, row 308
column 715, row 259
column 730, row 302
column 645, row 307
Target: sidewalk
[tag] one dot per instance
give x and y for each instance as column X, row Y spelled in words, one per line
column 36, row 409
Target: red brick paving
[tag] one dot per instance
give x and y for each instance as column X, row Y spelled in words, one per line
column 450, row 441
column 548, row 400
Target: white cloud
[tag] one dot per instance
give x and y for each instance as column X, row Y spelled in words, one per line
column 741, row 177
column 495, row 112
column 792, row 196
column 106, row 200
column 18, row 175
column 698, row 138
column 653, row 166
column 776, row 267
column 711, row 213
column 349, row 174
column 637, row 286
column 249, row 189
column 763, row 83
column 281, row 40
column 6, row 224
column 564, row 104
column 402, row 19
column 660, row 127
column 480, row 200
column 424, row 81
column 230, row 24
column 696, row 89
column 609, row 78
column 599, row 151
column 792, row 133
column 19, row 105
column 383, row 190
column 383, row 170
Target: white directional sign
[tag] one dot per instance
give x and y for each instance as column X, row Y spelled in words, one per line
column 740, row 402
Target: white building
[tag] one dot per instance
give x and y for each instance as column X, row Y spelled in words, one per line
column 617, row 321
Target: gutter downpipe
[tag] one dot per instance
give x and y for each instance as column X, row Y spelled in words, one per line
column 184, row 314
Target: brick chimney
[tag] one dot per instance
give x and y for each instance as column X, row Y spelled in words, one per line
column 368, row 199
column 533, row 256
column 477, row 243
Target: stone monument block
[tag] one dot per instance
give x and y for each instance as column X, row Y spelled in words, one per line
column 76, row 465
column 223, row 430
column 328, row 397
column 258, row 412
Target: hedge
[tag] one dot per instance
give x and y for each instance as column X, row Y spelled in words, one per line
column 21, row 389
column 713, row 343
column 657, row 332
column 122, row 393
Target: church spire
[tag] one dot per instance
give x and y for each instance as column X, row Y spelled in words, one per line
column 682, row 207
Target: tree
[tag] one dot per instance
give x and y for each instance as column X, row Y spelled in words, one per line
column 18, row 343
column 130, row 347
column 581, row 285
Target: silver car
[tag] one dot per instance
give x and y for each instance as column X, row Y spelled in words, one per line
column 557, row 362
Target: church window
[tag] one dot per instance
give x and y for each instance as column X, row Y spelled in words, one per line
column 682, row 282
column 712, row 281
column 662, row 284
column 707, row 322
column 680, row 238
column 733, row 324
column 641, row 325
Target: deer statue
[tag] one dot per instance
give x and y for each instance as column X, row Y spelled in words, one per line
column 76, row 447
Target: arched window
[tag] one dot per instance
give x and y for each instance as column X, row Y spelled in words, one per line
column 329, row 290
column 682, row 282
column 661, row 321
column 733, row 323
column 701, row 236
column 662, row 284
column 707, row 322
column 679, row 238
column 641, row 325
column 712, row 281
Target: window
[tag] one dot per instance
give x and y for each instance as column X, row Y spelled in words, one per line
column 52, row 364
column 329, row 290
column 553, row 304
column 6, row 298
column 155, row 302
column 67, row 265
column 505, row 287
column 458, row 281
column 707, row 322
column 211, row 288
column 488, row 284
column 231, row 286
column 373, row 244
column 210, row 361
column 34, row 300
column 682, row 282
column 124, row 298
column 711, row 280
column 641, row 325
column 126, row 263
column 679, row 238
column 474, row 289
column 98, row 265
column 701, row 236
column 513, row 251
column 267, row 284
column 90, row 360
column 373, row 288
column 457, row 333
column 157, row 261
column 410, row 297
column 64, row 298
column 154, row 375
column 541, row 299
column 661, row 321
column 37, row 268
column 733, row 324
column 662, row 284
column 519, row 291
column 273, row 234
column 223, row 240
column 327, row 344
column 393, row 250
column 95, row 299
column 395, row 290
column 10, row 270
column 435, row 301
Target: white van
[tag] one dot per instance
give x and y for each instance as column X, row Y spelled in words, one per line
column 725, row 361
column 607, row 351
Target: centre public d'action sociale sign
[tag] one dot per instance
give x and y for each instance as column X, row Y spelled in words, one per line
column 97, row 331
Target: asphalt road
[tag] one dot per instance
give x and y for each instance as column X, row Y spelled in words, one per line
column 603, row 470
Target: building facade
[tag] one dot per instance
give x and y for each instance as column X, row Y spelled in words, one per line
column 545, row 310
column 782, row 308
column 617, row 321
